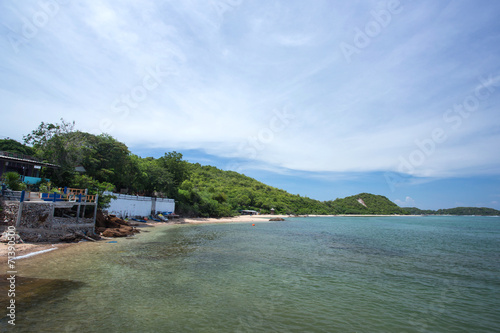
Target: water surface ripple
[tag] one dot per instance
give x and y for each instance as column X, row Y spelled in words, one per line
column 339, row 274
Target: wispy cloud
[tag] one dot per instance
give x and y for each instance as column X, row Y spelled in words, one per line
column 226, row 67
column 407, row 202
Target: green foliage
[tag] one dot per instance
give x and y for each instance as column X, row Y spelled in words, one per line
column 482, row 211
column 211, row 191
column 45, row 132
column 13, row 181
column 13, row 146
column 177, row 169
column 104, row 158
column 375, row 205
column 94, row 187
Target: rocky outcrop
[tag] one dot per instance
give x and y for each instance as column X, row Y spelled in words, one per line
column 112, row 226
column 361, row 201
column 277, row 219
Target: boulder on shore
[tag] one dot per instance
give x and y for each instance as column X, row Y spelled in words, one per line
column 113, row 226
column 277, row 219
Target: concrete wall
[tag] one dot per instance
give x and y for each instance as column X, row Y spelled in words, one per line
column 165, row 205
column 132, row 205
column 38, row 223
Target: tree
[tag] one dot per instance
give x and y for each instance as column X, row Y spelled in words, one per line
column 151, row 176
column 13, row 146
column 103, row 157
column 45, row 132
column 179, row 170
column 106, row 159
column 94, row 187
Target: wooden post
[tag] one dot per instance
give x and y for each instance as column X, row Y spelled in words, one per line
column 95, row 208
column 153, row 206
column 78, row 209
column 84, row 206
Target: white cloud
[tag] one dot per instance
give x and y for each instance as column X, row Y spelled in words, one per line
column 229, row 72
column 408, row 202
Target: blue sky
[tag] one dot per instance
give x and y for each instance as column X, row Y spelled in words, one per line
column 321, row 98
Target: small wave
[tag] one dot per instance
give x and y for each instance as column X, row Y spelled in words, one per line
column 35, row 253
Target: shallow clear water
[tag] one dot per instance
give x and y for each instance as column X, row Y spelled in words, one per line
column 352, row 274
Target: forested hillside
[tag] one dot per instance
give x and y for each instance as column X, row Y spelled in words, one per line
column 375, row 204
column 13, row 146
column 230, row 191
column 482, row 211
column 212, row 189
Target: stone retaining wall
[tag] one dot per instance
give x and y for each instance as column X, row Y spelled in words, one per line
column 38, row 223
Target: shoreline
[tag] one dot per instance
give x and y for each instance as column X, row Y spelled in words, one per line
column 23, row 250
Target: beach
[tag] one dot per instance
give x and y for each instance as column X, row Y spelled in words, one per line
column 25, row 249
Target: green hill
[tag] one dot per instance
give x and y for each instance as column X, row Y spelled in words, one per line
column 13, row 146
column 365, row 203
column 213, row 192
column 482, row 211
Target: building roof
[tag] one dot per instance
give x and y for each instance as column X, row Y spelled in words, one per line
column 24, row 159
column 80, row 168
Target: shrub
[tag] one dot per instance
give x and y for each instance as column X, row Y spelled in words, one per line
column 13, row 181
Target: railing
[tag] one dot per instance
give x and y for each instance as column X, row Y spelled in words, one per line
column 67, row 194
column 11, row 195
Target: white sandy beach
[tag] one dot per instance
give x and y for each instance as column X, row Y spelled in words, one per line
column 23, row 249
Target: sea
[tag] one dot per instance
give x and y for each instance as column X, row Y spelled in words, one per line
column 311, row 274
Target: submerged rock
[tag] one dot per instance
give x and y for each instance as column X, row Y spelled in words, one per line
column 277, row 219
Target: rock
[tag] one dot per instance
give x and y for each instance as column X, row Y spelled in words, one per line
column 277, row 219
column 115, row 220
column 114, row 233
column 5, row 238
column 126, row 229
column 113, row 226
column 69, row 238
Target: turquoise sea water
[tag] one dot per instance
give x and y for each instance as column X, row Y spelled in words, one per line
column 338, row 274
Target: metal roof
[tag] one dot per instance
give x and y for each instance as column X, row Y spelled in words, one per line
column 26, row 160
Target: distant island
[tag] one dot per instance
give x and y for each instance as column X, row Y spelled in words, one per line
column 478, row 211
column 100, row 162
